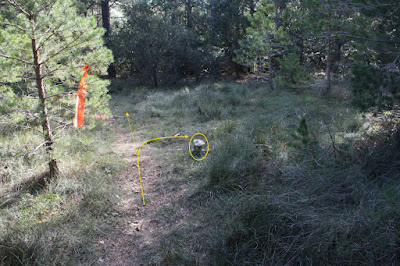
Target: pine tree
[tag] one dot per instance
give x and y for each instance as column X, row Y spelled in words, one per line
column 264, row 40
column 291, row 73
column 327, row 21
column 50, row 42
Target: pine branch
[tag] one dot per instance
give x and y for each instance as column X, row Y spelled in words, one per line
column 350, row 36
column 17, row 6
column 63, row 127
column 47, row 7
column 63, row 49
column 13, row 25
column 34, row 151
column 15, row 58
column 61, row 93
column 40, row 43
column 48, row 74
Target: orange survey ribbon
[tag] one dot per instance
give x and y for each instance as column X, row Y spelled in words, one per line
column 80, row 100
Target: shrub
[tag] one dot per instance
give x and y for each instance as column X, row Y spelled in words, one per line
column 374, row 87
column 291, row 74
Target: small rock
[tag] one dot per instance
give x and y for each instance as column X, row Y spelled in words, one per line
column 134, row 226
column 198, row 145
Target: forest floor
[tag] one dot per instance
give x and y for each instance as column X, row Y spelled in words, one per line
column 139, row 227
column 290, row 178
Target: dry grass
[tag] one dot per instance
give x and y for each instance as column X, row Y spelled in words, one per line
column 334, row 200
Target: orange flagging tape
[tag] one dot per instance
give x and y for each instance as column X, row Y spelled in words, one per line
column 80, row 100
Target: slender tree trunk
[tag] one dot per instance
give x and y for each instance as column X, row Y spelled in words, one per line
column 328, row 67
column 214, row 64
column 105, row 15
column 175, row 61
column 155, row 79
column 252, row 7
column 234, row 44
column 26, row 73
column 154, row 75
column 301, row 50
column 270, row 72
column 336, row 55
column 189, row 17
column 47, row 132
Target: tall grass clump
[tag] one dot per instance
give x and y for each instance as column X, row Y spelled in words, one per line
column 234, row 162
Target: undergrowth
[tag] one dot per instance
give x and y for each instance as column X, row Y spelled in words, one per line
column 289, row 179
column 58, row 223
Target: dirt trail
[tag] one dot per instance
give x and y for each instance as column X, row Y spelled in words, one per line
column 138, row 225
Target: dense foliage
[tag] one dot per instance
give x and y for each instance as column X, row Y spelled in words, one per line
column 281, row 40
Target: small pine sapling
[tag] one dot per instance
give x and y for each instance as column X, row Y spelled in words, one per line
column 291, row 73
column 301, row 137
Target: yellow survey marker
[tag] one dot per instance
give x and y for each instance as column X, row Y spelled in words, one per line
column 140, row 177
column 134, row 144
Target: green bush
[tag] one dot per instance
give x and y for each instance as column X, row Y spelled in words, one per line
column 291, row 73
column 372, row 86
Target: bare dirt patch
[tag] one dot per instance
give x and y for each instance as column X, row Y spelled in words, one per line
column 136, row 238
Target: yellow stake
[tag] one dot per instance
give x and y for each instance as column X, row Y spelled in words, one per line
column 134, row 144
column 140, row 177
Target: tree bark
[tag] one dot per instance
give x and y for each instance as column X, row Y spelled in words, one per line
column 252, row 7
column 328, row 67
column 301, row 49
column 105, row 15
column 270, row 72
column 336, row 56
column 189, row 17
column 214, row 64
column 175, row 61
column 47, row 132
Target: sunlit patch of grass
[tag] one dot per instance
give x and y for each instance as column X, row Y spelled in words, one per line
column 56, row 224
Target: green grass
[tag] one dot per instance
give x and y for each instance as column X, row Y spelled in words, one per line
column 311, row 204
column 58, row 224
column 259, row 197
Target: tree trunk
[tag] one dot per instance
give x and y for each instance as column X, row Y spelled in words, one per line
column 270, row 72
column 252, row 7
column 47, row 132
column 26, row 74
column 105, row 15
column 189, row 7
column 154, row 75
column 175, row 61
column 328, row 67
column 301, row 50
column 214, row 64
column 336, row 56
